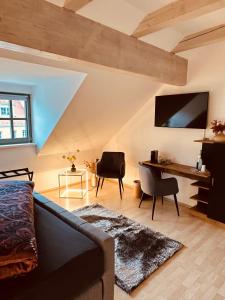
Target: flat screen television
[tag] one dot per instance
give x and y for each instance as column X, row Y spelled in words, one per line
column 182, row 110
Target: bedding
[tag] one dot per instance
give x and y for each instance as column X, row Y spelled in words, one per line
column 18, row 250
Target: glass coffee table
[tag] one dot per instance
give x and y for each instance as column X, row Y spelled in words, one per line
column 73, row 184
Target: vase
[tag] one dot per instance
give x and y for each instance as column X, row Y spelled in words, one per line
column 219, row 137
column 73, row 168
column 93, row 180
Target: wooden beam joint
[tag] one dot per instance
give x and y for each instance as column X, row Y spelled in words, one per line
column 203, row 38
column 177, row 11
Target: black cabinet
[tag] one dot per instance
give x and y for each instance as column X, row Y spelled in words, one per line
column 213, row 156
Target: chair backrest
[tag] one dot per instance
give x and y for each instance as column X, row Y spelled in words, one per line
column 149, row 177
column 113, row 161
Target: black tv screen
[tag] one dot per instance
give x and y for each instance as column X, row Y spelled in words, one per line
column 182, row 111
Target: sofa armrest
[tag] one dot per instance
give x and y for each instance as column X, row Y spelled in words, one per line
column 106, row 242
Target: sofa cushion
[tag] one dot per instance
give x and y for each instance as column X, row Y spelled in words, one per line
column 69, row 262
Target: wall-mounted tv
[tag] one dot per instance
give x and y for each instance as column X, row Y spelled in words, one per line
column 182, row 110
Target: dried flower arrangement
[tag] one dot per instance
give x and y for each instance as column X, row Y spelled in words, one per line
column 218, row 126
column 71, row 158
column 91, row 166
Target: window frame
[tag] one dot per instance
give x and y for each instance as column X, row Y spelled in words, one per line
column 27, row 118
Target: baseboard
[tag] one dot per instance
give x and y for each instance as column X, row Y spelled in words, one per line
column 47, row 190
column 130, row 186
column 114, row 181
column 127, row 185
column 57, row 187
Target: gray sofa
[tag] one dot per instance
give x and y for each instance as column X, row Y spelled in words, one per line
column 76, row 259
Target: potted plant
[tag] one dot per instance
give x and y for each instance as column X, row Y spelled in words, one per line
column 218, row 128
column 71, row 158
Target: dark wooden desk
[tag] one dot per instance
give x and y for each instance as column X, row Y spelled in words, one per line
column 180, row 170
column 211, row 193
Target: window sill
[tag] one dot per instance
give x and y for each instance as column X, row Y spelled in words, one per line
column 17, row 145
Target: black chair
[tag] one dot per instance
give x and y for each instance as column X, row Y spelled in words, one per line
column 152, row 184
column 111, row 165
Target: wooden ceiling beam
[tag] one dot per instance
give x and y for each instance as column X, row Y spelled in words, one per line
column 76, row 4
column 41, row 25
column 202, row 38
column 180, row 10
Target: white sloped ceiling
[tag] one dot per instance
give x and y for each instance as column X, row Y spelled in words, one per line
column 105, row 101
column 98, row 108
column 52, row 91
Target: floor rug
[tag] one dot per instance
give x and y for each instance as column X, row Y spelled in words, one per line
column 139, row 251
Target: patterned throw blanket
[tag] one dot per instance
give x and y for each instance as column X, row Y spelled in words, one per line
column 18, row 252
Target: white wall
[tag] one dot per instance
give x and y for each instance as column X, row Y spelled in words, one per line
column 46, row 168
column 139, row 136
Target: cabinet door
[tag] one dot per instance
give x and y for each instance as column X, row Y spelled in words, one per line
column 216, row 206
column 207, row 156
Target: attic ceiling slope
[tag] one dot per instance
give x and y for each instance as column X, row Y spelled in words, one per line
column 103, row 104
column 176, row 11
column 47, row 27
column 52, row 90
column 50, row 99
column 202, row 38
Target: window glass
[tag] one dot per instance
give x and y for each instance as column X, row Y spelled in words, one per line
column 4, row 109
column 5, row 128
column 15, row 119
column 19, row 109
column 20, row 130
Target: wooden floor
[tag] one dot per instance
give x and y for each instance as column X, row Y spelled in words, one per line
column 196, row 272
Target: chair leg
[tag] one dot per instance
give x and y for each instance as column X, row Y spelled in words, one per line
column 120, row 189
column 102, row 182
column 121, row 180
column 175, row 199
column 142, row 195
column 162, row 200
column 153, row 208
column 98, row 186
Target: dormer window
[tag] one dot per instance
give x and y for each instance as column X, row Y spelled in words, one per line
column 15, row 119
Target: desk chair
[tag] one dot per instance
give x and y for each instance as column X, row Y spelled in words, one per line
column 152, row 184
column 111, row 165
